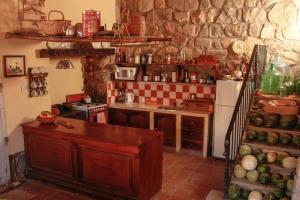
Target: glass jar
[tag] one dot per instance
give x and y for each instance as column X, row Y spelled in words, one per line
column 287, row 87
column 271, row 80
column 280, row 65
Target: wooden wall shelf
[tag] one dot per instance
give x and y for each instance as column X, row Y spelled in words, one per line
column 60, row 53
column 132, row 39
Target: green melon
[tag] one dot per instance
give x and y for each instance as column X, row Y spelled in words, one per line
column 252, row 175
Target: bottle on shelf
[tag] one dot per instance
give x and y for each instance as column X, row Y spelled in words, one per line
column 271, row 80
column 287, row 87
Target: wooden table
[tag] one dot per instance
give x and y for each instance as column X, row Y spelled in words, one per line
column 102, row 160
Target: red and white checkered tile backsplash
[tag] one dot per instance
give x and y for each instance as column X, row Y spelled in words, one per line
column 163, row 93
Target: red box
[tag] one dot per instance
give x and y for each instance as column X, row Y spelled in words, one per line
column 91, row 21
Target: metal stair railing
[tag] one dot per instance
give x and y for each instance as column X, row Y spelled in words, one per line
column 239, row 117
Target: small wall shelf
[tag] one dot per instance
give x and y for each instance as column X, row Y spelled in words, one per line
column 60, row 53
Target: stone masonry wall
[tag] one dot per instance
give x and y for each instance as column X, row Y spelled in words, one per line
column 199, row 26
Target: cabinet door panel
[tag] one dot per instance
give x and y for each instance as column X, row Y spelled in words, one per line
column 118, row 117
column 138, row 119
column 106, row 169
column 50, row 155
column 167, row 124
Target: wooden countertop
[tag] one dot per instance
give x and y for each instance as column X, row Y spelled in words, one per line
column 154, row 108
column 113, row 134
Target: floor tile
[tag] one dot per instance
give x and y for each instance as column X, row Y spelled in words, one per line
column 185, row 177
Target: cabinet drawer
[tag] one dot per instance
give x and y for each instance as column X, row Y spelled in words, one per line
column 191, row 145
column 192, row 134
column 192, row 122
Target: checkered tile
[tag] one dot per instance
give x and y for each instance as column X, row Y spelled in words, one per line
column 162, row 93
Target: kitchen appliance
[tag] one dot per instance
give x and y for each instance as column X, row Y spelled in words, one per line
column 94, row 112
column 129, row 98
column 226, row 97
column 126, row 73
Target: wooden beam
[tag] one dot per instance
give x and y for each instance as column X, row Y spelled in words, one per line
column 112, row 39
column 60, row 53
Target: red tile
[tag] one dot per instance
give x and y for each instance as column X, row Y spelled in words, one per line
column 147, row 87
column 135, row 85
column 166, row 94
column 141, row 92
column 159, row 87
column 200, row 89
column 153, row 93
column 178, row 95
column 172, row 88
column 160, row 101
column 130, row 90
column 186, row 88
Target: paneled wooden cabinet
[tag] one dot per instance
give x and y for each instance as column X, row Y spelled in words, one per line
column 192, row 131
column 167, row 124
column 130, row 118
column 110, row 163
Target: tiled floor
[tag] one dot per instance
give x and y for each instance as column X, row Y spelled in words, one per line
column 185, row 177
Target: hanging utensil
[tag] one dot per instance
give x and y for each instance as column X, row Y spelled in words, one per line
column 65, row 63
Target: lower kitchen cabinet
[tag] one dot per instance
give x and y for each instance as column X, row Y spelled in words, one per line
column 192, row 132
column 104, row 162
column 167, row 124
column 130, row 118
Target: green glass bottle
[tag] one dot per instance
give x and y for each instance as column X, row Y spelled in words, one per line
column 287, row 87
column 271, row 80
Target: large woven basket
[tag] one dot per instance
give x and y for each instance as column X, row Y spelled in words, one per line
column 54, row 27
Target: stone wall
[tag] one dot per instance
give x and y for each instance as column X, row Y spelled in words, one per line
column 199, row 26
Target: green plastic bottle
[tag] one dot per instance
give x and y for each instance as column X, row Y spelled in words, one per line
column 271, row 80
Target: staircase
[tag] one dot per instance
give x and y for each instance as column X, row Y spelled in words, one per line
column 238, row 131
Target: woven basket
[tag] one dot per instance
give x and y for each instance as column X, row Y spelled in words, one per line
column 54, row 27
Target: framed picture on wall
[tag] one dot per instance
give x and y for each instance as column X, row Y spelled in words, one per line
column 14, row 65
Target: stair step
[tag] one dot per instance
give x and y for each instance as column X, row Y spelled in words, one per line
column 262, row 146
column 253, row 186
column 276, row 130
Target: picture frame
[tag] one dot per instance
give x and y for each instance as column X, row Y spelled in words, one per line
column 14, row 66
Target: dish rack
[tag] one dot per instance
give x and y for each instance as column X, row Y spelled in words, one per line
column 37, row 81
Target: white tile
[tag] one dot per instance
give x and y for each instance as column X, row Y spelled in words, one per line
column 179, row 88
column 172, row 95
column 193, row 89
column 147, row 93
column 129, row 85
column 136, row 92
column 153, row 86
column 206, row 90
column 166, row 88
column 166, row 101
column 141, row 86
column 160, row 94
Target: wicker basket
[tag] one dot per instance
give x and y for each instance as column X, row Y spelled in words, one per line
column 54, row 27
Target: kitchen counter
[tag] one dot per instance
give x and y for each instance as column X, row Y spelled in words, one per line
column 179, row 113
column 99, row 159
column 155, row 108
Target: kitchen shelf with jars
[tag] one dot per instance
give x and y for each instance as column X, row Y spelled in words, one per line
column 61, row 34
column 202, row 70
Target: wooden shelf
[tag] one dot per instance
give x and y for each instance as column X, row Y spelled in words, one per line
column 253, row 186
column 110, row 39
column 277, row 130
column 256, row 145
column 273, row 97
column 60, row 53
column 167, row 64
